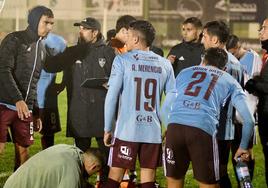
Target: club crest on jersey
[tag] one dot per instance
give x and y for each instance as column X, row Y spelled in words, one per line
column 102, row 62
column 136, row 56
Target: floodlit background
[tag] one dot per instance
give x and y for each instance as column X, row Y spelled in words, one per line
column 243, row 16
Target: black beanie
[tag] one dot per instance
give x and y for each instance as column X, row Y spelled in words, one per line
column 34, row 17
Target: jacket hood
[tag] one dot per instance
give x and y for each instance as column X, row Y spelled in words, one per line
column 34, row 17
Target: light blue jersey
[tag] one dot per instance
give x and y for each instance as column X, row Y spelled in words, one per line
column 226, row 127
column 140, row 77
column 56, row 44
column 200, row 93
column 252, row 63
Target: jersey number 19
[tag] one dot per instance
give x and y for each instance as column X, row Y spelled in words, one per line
column 150, row 95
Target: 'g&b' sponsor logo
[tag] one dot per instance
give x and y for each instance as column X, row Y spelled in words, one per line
column 144, row 119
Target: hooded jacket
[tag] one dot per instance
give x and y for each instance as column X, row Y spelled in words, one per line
column 21, row 54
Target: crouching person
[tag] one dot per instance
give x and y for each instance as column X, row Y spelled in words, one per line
column 60, row 166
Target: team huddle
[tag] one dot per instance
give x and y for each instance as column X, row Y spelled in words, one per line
column 211, row 88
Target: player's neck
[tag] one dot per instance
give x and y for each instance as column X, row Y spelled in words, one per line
column 141, row 47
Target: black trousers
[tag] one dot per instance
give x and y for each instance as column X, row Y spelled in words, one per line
column 263, row 132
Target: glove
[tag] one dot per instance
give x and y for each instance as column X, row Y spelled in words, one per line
column 250, row 86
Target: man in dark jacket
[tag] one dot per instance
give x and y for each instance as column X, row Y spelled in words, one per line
column 188, row 53
column 259, row 87
column 21, row 54
column 90, row 58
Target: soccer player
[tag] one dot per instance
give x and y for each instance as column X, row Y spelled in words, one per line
column 215, row 34
column 139, row 77
column 119, row 41
column 192, row 115
column 252, row 64
column 47, row 94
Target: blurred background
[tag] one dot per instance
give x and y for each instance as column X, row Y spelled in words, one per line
column 244, row 16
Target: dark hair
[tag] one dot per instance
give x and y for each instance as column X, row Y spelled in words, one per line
column 193, row 20
column 99, row 35
column 49, row 13
column 146, row 29
column 123, row 22
column 219, row 29
column 216, row 57
column 98, row 154
column 110, row 34
column 232, row 42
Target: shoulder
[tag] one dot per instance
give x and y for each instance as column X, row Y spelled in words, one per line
column 11, row 37
column 232, row 59
column 11, row 42
column 177, row 46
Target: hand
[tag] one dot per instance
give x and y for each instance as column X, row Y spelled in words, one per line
column 58, row 88
column 105, row 85
column 250, row 86
column 37, row 122
column 242, row 153
column 107, row 138
column 22, row 109
column 171, row 58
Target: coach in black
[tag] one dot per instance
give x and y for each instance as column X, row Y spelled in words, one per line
column 90, row 58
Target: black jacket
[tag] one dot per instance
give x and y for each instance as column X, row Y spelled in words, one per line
column 21, row 55
column 261, row 88
column 85, row 116
column 187, row 54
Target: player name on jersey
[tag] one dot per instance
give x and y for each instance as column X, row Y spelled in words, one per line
column 218, row 72
column 146, row 68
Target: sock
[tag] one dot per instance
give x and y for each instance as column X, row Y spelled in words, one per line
column 251, row 165
column 111, row 184
column 225, row 182
column 148, row 185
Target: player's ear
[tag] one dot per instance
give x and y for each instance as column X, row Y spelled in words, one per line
column 215, row 40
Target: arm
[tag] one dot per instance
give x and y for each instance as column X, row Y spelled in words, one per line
column 8, row 53
column 167, row 107
column 171, row 57
column 115, row 85
column 240, row 103
column 262, row 83
column 170, row 91
column 109, row 55
column 65, row 59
